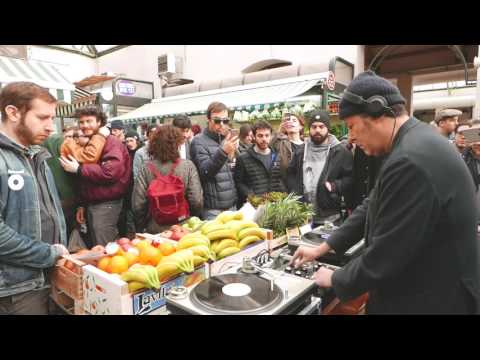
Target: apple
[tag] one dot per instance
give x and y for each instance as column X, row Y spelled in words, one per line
column 125, row 247
column 175, row 227
column 123, row 241
column 166, row 234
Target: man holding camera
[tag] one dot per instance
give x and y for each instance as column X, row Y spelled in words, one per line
column 212, row 151
column 422, row 254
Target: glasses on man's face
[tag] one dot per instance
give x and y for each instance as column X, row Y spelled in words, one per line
column 218, row 121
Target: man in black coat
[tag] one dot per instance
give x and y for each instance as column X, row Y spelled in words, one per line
column 212, row 152
column 321, row 169
column 419, row 221
column 257, row 170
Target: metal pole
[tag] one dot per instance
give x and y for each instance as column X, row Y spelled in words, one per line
column 476, row 62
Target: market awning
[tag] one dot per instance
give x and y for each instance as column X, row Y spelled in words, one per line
column 44, row 74
column 68, row 110
column 236, row 98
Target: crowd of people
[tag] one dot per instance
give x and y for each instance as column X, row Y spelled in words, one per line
column 97, row 182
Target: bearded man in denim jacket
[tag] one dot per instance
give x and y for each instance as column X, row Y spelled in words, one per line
column 32, row 226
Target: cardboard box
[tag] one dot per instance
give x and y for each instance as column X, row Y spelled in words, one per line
column 105, row 294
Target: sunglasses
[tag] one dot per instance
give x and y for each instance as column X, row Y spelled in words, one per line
column 219, row 120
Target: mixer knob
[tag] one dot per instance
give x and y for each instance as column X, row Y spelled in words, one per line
column 298, row 273
column 288, row 269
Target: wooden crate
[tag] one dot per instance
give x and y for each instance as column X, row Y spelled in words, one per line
column 67, row 284
column 68, row 304
column 69, row 281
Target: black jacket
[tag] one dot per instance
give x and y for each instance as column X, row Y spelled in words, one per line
column 252, row 177
column 472, row 166
column 422, row 253
column 213, row 166
column 338, row 169
column 365, row 171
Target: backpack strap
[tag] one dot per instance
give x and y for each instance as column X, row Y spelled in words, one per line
column 157, row 173
column 175, row 164
column 153, row 169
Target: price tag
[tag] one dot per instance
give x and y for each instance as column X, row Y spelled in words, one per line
column 305, row 229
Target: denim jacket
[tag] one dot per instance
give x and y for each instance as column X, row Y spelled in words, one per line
column 23, row 254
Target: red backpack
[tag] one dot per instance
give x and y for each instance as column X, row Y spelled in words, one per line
column 167, row 203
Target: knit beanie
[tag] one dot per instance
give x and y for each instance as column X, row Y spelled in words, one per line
column 318, row 116
column 366, row 85
column 117, row 124
column 132, row 134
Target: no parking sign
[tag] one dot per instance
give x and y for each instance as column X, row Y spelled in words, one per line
column 331, row 81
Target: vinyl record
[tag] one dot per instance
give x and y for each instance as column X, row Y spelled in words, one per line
column 236, row 294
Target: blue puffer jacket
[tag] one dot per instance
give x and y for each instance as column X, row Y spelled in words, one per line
column 219, row 189
column 23, row 254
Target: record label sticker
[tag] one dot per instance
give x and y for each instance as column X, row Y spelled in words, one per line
column 16, row 182
column 236, row 289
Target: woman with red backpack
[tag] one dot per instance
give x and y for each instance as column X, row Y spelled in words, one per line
column 167, row 189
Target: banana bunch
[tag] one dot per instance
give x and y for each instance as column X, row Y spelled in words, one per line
column 199, row 244
column 176, row 263
column 141, row 276
column 229, row 233
column 227, row 216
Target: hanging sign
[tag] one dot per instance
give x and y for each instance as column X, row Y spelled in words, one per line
column 331, row 81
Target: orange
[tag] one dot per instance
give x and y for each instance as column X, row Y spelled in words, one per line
column 118, row 264
column 166, row 249
column 131, row 258
column 104, row 263
column 143, row 244
column 150, row 256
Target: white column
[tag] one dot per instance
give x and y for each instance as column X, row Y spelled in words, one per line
column 476, row 110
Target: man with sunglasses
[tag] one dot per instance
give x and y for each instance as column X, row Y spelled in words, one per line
column 212, row 151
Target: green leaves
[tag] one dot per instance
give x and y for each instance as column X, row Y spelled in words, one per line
column 286, row 213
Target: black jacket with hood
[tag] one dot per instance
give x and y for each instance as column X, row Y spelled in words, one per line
column 337, row 170
column 252, row 177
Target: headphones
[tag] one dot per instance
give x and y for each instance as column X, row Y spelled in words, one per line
column 375, row 105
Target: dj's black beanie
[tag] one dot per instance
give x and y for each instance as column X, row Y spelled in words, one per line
column 368, row 84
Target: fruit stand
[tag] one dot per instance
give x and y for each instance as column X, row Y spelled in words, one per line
column 132, row 277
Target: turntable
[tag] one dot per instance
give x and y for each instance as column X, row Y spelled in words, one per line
column 237, row 293
column 321, row 234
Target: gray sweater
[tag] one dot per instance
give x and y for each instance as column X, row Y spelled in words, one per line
column 193, row 193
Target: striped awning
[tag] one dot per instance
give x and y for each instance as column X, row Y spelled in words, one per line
column 267, row 94
column 66, row 110
column 44, row 74
column 80, row 93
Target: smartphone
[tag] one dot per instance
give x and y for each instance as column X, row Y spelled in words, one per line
column 234, row 132
column 471, row 135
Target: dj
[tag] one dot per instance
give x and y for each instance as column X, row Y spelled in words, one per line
column 419, row 224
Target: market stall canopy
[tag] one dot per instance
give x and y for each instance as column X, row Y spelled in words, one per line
column 81, row 98
column 237, row 97
column 44, row 74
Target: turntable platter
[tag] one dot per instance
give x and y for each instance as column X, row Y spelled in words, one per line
column 235, row 294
